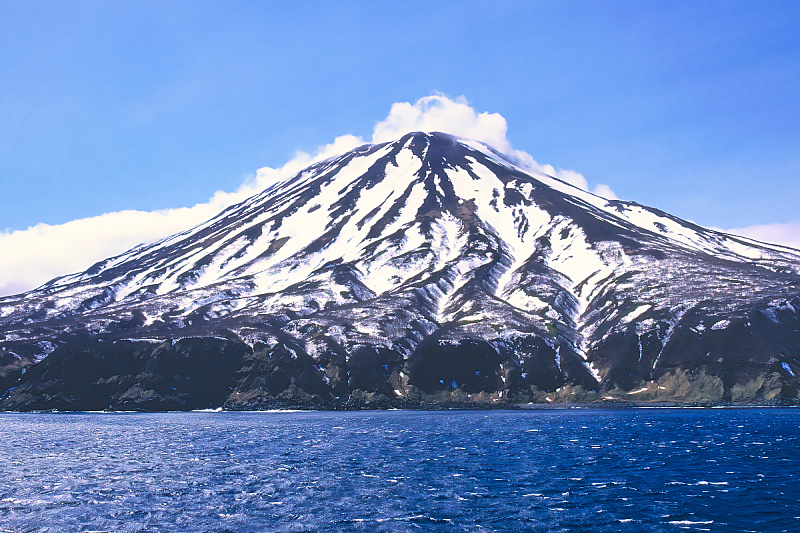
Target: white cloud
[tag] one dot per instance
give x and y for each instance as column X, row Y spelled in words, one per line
column 456, row 117
column 39, row 253
column 604, row 191
column 33, row 256
column 787, row 234
column 439, row 113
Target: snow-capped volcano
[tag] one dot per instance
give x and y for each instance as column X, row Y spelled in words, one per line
column 432, row 267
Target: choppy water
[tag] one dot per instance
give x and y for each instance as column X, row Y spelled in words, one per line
column 566, row 470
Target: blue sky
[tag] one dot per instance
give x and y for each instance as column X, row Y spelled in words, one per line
column 691, row 107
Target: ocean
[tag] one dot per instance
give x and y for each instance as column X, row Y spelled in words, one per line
column 570, row 470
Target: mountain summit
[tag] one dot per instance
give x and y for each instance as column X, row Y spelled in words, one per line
column 431, row 269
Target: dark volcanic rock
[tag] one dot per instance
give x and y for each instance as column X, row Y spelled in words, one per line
column 97, row 374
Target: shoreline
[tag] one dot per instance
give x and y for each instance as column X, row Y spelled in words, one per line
column 603, row 406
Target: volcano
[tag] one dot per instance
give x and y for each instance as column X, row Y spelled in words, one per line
column 428, row 271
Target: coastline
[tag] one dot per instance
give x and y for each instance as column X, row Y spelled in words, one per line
column 432, row 407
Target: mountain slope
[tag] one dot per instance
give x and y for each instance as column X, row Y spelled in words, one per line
column 427, row 269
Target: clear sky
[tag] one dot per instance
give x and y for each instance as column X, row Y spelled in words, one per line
column 691, row 107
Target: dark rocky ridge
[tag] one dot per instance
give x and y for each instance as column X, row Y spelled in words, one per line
column 391, row 276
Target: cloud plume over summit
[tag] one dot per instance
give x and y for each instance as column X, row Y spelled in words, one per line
column 457, row 117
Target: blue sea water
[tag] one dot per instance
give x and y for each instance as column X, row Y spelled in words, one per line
column 581, row 470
